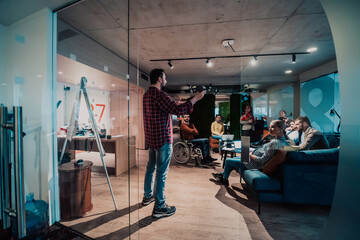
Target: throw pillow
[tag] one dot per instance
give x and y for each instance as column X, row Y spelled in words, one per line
column 278, row 158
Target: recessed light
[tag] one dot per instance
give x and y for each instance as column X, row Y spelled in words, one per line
column 4, row 84
column 254, row 61
column 60, row 73
column 312, row 49
column 113, row 85
column 39, row 76
column 288, row 71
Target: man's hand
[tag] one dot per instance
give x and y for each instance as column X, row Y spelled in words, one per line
column 198, row 96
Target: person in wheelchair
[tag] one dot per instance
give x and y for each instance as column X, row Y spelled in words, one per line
column 189, row 132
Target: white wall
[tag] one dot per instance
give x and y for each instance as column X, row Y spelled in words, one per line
column 95, row 96
column 344, row 19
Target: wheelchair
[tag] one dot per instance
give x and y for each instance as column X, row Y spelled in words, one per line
column 184, row 150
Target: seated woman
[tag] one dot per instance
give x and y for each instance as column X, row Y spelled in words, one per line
column 260, row 156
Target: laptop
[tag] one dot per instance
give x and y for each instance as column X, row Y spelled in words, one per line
column 227, row 137
column 245, row 147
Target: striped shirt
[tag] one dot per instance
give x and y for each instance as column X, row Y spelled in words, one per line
column 264, row 153
column 157, row 107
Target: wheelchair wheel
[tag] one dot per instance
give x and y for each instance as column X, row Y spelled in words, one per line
column 197, row 156
column 181, row 152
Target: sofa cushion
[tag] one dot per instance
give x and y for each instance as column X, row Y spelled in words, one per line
column 323, row 156
column 260, row 181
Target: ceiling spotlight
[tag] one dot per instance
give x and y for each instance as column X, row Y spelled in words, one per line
column 293, row 58
column 60, row 73
column 254, row 61
column 312, row 49
column 208, row 62
column 113, row 85
column 288, row 71
column 170, row 65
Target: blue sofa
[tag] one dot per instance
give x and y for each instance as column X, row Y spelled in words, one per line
column 305, row 177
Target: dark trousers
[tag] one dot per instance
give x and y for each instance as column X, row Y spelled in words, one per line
column 203, row 144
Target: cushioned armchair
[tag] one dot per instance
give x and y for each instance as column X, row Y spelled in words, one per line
column 214, row 144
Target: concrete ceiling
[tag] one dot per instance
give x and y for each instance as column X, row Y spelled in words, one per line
column 195, row 28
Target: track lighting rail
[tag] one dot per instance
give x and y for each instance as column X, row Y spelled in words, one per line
column 232, row 56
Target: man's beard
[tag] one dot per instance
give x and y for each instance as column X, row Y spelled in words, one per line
column 162, row 85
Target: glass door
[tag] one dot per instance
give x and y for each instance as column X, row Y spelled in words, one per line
column 28, row 175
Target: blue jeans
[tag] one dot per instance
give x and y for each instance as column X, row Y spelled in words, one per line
column 203, row 144
column 219, row 138
column 231, row 164
column 159, row 160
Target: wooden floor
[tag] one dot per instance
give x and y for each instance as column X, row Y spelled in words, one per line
column 205, row 210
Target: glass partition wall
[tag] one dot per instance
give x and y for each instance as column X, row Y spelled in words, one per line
column 99, row 190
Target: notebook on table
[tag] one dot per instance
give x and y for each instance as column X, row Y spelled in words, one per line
column 237, row 145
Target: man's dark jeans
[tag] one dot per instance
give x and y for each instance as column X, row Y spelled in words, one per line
column 203, row 144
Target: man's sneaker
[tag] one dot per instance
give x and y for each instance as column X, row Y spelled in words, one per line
column 217, row 176
column 147, row 201
column 210, row 159
column 165, row 211
column 220, row 178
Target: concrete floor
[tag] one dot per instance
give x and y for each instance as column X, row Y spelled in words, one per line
column 205, row 210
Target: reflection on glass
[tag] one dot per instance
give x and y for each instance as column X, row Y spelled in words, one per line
column 320, row 102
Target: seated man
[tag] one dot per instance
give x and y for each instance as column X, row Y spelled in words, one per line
column 189, row 132
column 309, row 137
column 292, row 131
column 217, row 128
column 260, row 156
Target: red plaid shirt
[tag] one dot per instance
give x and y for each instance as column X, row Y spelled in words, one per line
column 157, row 107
